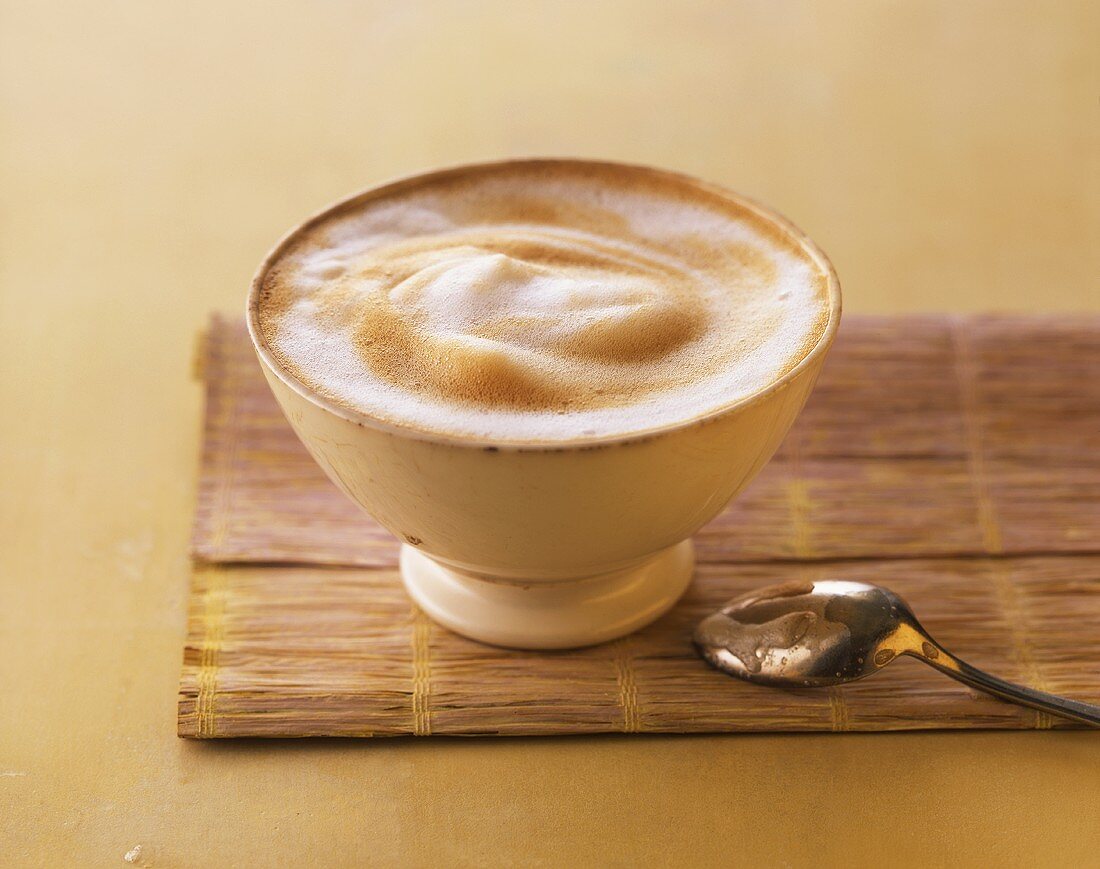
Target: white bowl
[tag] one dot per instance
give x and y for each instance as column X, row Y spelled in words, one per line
column 556, row 545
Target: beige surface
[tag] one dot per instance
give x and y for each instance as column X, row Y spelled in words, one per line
column 946, row 154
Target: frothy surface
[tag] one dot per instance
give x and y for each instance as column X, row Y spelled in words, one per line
column 542, row 301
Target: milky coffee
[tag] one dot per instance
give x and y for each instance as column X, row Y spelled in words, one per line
column 542, row 301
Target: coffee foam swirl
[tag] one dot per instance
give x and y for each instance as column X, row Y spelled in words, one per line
column 542, row 302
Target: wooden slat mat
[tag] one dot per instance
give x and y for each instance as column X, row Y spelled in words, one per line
column 957, row 460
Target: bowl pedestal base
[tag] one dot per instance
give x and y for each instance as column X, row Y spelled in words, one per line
column 549, row 615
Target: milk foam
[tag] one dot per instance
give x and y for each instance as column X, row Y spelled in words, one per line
column 542, row 302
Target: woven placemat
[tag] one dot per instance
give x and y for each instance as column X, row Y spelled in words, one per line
column 957, row 460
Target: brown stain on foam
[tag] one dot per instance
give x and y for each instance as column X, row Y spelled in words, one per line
column 401, row 352
column 651, row 331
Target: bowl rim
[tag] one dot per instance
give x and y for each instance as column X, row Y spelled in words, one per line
column 271, row 363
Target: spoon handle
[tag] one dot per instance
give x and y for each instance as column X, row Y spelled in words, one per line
column 938, row 657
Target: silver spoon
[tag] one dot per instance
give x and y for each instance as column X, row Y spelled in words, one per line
column 814, row 634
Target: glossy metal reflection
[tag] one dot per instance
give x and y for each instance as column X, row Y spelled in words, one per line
column 815, row 634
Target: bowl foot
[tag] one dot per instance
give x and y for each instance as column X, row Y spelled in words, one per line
column 549, row 615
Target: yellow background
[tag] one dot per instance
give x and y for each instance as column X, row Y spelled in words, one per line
column 946, row 155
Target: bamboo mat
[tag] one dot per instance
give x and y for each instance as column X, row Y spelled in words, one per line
column 957, row 460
